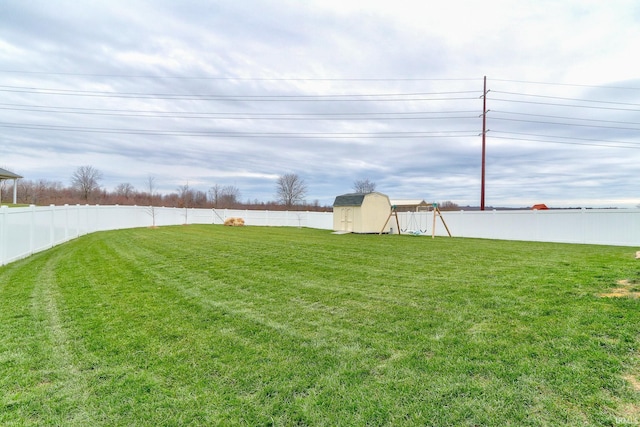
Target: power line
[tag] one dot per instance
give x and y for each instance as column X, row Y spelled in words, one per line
column 276, row 118
column 567, row 143
column 246, row 116
column 26, row 107
column 564, row 105
column 299, row 79
column 279, row 79
column 586, row 144
column 566, row 99
column 569, row 137
column 564, row 117
column 567, row 84
column 222, row 97
column 293, row 116
column 229, row 134
column 565, row 124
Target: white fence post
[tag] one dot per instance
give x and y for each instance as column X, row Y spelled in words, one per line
column 583, row 224
column 66, row 222
column 4, row 218
column 32, row 229
column 52, row 226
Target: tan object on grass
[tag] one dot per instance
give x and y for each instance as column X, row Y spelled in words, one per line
column 234, row 222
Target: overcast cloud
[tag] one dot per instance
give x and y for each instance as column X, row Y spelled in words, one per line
column 239, row 92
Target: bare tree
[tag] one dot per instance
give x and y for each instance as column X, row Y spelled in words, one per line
column 224, row 197
column 125, row 190
column 86, row 180
column 185, row 197
column 290, row 189
column 3, row 185
column 151, row 186
column 364, row 186
column 214, row 194
column 198, row 199
column 40, row 192
column 229, row 196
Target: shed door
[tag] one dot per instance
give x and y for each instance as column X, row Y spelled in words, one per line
column 347, row 219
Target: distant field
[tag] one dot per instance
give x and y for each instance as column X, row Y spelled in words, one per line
column 256, row 326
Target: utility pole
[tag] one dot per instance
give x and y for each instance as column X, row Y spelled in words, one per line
column 484, row 134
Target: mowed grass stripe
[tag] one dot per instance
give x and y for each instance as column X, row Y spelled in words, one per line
column 37, row 356
column 207, row 325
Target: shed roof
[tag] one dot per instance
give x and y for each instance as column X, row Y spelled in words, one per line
column 5, row 174
column 351, row 199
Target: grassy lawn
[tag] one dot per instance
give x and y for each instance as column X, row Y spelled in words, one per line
column 212, row 325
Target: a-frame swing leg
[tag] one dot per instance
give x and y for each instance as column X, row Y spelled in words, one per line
column 385, row 223
column 392, row 213
column 436, row 211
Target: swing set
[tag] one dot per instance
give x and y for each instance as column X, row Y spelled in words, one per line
column 413, row 221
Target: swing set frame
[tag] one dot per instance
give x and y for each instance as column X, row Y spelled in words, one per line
column 436, row 213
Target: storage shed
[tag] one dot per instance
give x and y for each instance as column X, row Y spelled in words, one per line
column 360, row 212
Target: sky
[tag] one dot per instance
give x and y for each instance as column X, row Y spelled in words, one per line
column 238, row 93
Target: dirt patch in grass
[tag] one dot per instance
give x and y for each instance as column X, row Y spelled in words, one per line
column 626, row 289
column 634, row 381
column 629, row 414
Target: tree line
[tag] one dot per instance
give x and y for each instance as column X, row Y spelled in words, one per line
column 85, row 188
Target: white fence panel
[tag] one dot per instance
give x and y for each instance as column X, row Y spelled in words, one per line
column 200, row 216
column 15, row 233
column 165, row 216
column 612, row 227
column 41, row 230
column 321, row 220
column 60, row 224
column 620, row 227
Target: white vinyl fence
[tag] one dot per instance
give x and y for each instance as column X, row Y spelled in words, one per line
column 617, row 227
column 25, row 231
